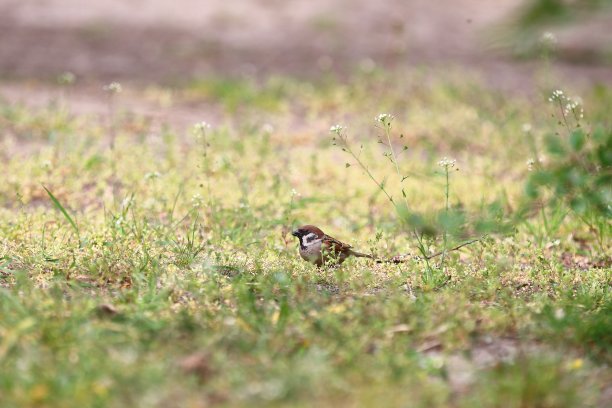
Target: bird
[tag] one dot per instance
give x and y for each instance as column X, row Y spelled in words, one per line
column 319, row 248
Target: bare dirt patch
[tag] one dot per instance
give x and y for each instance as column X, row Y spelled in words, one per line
column 142, row 42
column 153, row 40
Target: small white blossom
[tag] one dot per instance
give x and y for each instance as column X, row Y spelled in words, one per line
column 201, row 127
column 574, row 106
column 337, row 129
column 559, row 314
column 267, row 128
column 557, row 95
column 526, row 127
column 384, row 118
column 113, row 88
column 294, row 193
column 127, row 202
column 447, row 163
column 196, row 200
column 570, row 105
column 532, row 162
column 548, row 39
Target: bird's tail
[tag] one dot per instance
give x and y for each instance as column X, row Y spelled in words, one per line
column 361, row 255
column 396, row 259
column 406, row 257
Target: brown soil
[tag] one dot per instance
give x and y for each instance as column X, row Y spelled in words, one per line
column 157, row 41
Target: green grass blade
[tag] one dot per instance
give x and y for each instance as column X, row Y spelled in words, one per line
column 61, row 208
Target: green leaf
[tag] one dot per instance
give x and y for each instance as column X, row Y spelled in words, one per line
column 604, row 152
column 600, row 134
column 93, row 162
column 555, row 145
column 451, row 221
column 579, row 205
column 577, row 139
column 531, row 189
column 61, row 208
column 403, row 211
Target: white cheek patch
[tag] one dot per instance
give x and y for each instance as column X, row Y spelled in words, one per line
column 309, row 239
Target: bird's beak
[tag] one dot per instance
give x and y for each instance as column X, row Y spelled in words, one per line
column 295, row 233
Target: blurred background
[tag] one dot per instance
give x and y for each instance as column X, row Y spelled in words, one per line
column 173, row 41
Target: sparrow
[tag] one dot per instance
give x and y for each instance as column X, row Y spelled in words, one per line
column 319, row 248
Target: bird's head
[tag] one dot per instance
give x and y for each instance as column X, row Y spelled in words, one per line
column 307, row 234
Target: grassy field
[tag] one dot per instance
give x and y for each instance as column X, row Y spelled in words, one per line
column 150, row 265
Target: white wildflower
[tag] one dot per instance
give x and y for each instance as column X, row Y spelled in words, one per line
column 113, row 88
column 548, row 39
column 384, row 118
column 569, row 105
column 526, row 127
column 267, row 128
column 557, row 95
column 201, row 127
column 337, row 129
column 531, row 163
column 196, row 200
column 127, row 202
column 447, row 163
column 574, row 106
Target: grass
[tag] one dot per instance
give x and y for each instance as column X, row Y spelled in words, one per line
column 161, row 272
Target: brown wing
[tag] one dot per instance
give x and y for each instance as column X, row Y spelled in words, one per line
column 331, row 244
